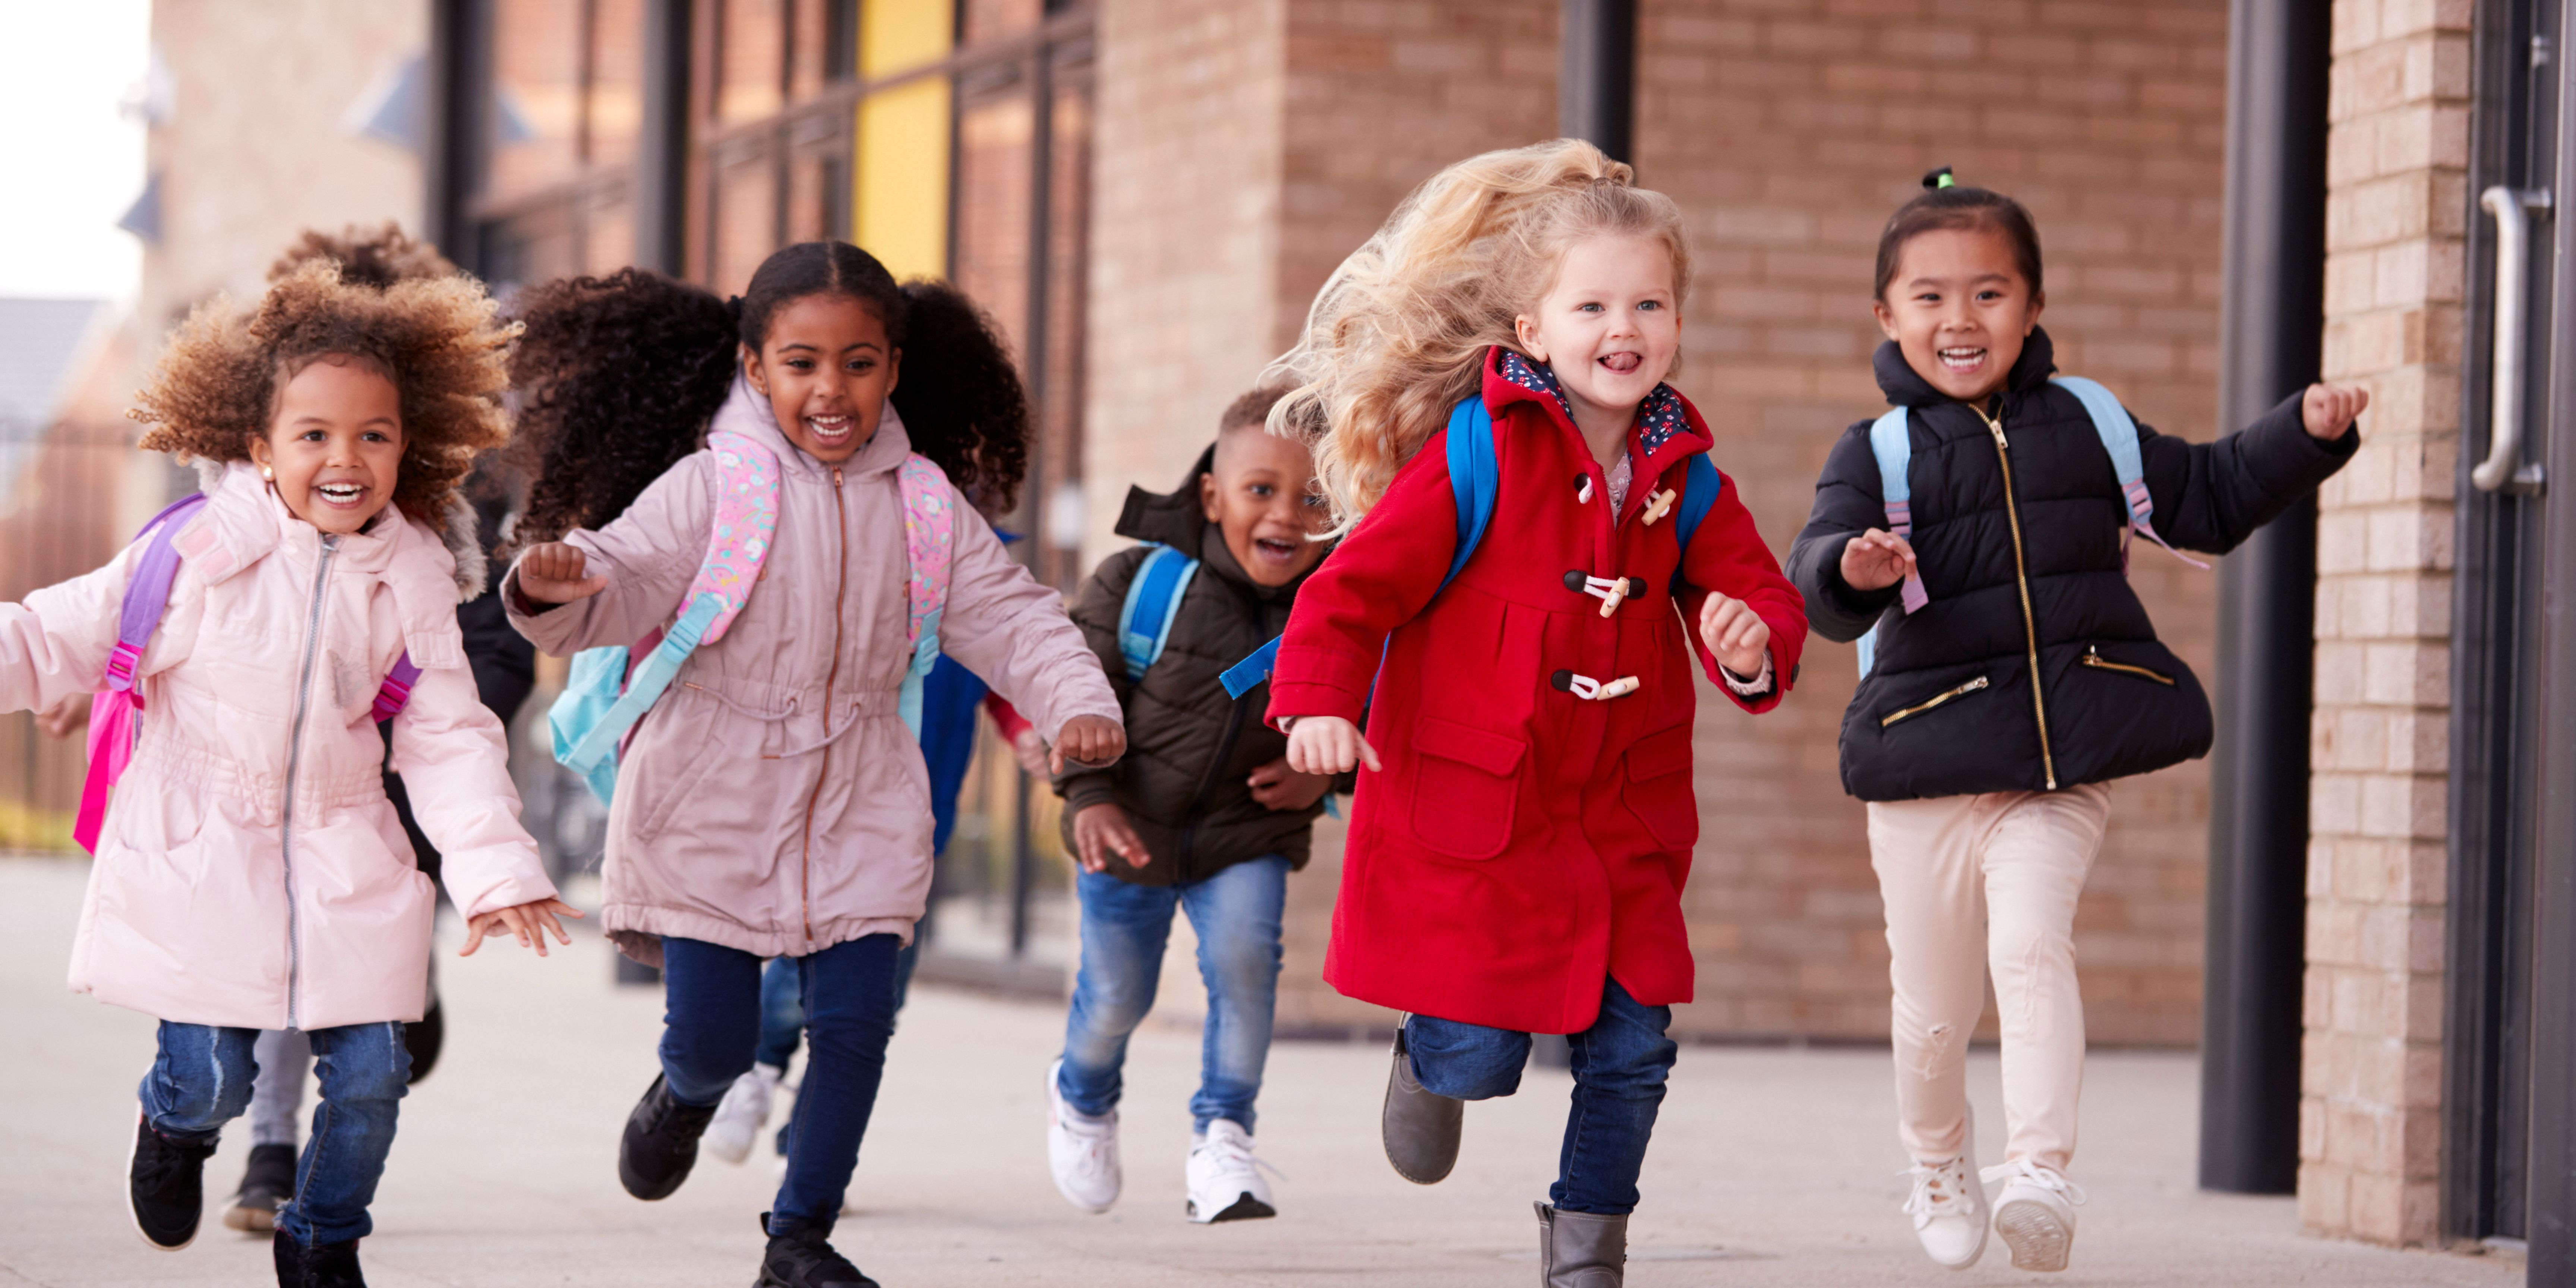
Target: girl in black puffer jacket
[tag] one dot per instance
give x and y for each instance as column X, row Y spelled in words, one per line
column 2015, row 674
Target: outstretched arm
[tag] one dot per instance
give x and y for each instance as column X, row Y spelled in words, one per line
column 615, row 585
column 1005, row 626
column 2212, row 496
column 1381, row 576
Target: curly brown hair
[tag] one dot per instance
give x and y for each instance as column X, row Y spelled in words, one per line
column 375, row 260
column 438, row 339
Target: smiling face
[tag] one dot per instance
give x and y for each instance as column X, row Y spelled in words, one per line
column 1959, row 310
column 1608, row 326
column 826, row 368
column 335, row 445
column 1262, row 495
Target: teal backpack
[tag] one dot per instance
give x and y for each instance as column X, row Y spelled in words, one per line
column 1894, row 449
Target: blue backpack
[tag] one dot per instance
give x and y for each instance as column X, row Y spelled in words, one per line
column 1474, row 480
column 1894, row 449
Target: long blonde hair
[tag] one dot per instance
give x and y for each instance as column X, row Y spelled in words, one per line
column 1398, row 335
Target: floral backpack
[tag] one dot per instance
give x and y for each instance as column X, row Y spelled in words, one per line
column 612, row 687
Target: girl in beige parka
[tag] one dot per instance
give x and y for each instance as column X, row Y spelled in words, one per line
column 773, row 802
column 250, row 873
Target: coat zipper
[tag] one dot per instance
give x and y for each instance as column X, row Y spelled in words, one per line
column 2093, row 658
column 294, row 758
column 1937, row 699
column 840, row 597
column 2021, row 578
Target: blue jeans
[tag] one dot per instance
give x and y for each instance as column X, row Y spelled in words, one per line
column 711, row 1032
column 202, row 1077
column 1620, row 1064
column 1124, row 930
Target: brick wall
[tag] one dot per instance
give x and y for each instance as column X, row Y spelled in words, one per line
column 1787, row 129
column 2369, row 1123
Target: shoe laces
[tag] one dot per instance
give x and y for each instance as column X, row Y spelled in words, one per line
column 2022, row 1171
column 1235, row 1153
column 163, row 1161
column 1939, row 1190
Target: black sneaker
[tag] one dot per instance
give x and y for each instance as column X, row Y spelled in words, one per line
column 661, row 1143
column 423, row 1038
column 166, row 1187
column 801, row 1258
column 324, row 1265
column 269, row 1181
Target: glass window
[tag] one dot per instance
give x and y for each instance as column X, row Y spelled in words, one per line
column 536, row 95
column 751, row 45
column 616, row 80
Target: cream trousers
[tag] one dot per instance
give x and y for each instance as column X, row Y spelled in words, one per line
column 1978, row 883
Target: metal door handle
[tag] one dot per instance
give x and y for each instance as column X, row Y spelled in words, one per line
column 2512, row 210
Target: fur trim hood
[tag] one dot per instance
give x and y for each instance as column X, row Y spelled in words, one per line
column 458, row 530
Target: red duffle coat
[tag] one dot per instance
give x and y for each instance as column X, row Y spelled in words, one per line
column 1522, row 843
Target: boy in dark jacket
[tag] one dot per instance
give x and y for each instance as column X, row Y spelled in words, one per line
column 1203, row 814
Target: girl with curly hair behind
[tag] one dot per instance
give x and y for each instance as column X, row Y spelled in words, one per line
column 250, row 872
column 773, row 803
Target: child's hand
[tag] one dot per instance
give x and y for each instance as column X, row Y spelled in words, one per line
column 552, row 574
column 1098, row 831
column 1276, row 786
column 1875, row 560
column 1088, row 742
column 1031, row 752
column 529, row 921
column 1735, row 633
column 1327, row 745
column 2329, row 410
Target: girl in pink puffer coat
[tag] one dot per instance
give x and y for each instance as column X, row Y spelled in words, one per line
column 250, row 873
column 773, row 802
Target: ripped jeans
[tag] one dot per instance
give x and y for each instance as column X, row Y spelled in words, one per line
column 1974, row 883
column 202, row 1078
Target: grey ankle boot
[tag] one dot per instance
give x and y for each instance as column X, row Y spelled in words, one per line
column 1420, row 1128
column 1580, row 1249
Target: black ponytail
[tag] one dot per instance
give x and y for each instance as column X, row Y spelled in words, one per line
column 617, row 378
column 1944, row 204
column 959, row 393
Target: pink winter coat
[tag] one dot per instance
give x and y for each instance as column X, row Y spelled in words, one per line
column 773, row 800
column 223, row 893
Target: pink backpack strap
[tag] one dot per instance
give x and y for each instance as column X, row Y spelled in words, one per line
column 111, row 712
column 745, row 525
column 929, row 536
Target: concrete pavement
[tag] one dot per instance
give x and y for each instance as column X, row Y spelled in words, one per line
column 1771, row 1167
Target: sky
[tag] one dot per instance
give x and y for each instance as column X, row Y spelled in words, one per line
column 71, row 159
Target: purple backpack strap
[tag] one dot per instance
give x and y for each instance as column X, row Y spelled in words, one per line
column 395, row 693
column 111, row 714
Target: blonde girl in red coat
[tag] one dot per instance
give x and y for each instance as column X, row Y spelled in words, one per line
column 1519, row 845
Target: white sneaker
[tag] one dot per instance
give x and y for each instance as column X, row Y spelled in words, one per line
column 1949, row 1207
column 742, row 1113
column 1082, row 1151
column 2036, row 1213
column 1224, row 1178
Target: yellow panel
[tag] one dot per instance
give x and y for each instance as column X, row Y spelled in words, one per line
column 896, row 34
column 901, row 206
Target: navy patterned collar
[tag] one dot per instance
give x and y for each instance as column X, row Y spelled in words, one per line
column 1659, row 417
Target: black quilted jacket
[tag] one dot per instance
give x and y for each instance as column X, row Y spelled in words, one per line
column 1951, row 707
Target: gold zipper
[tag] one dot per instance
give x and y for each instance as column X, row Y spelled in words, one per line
column 2021, row 578
column 2093, row 658
column 1937, row 699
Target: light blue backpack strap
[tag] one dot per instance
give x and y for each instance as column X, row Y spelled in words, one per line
column 594, row 754
column 1893, row 448
column 916, row 676
column 1474, row 479
column 2119, row 436
column 1153, row 601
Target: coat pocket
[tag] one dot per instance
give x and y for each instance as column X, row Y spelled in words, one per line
column 1932, row 702
column 1658, row 787
column 1467, row 788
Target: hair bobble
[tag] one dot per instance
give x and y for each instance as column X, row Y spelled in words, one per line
column 1939, row 179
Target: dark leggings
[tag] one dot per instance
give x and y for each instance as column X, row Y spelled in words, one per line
column 711, row 1030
